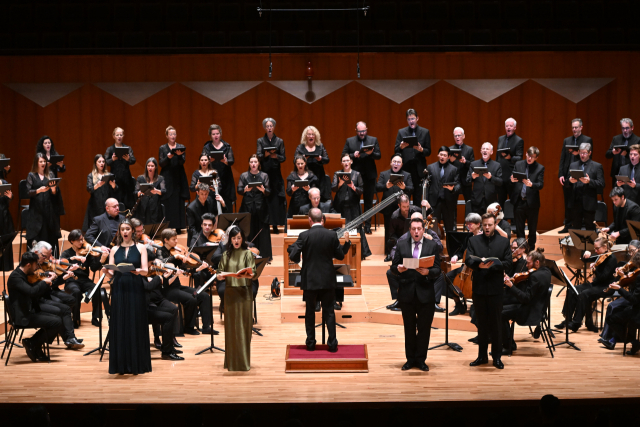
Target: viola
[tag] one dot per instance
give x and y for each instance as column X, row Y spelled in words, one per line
column 255, row 250
column 66, row 263
column 159, row 270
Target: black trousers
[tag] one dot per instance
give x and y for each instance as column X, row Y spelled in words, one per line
column 567, row 191
column 446, row 212
column 505, row 189
column 488, row 310
column 588, row 296
column 481, row 208
column 412, row 168
column 417, row 315
column 184, row 295
column 441, row 285
column 579, row 215
column 50, row 326
column 163, row 315
column 64, row 312
column 394, row 284
column 78, row 288
column 326, row 297
column 613, row 307
column 624, row 329
column 525, row 213
column 387, row 232
column 63, row 297
column 368, row 191
column 509, row 312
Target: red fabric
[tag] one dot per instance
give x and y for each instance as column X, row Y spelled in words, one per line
column 322, row 352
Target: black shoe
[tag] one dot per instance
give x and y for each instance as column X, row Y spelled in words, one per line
column 95, row 322
column 333, row 349
column 311, row 347
column 609, row 345
column 574, row 327
column 498, row 364
column 176, row 351
column 600, row 339
column 393, row 305
column 176, row 343
column 536, row 332
column 561, row 325
column 157, row 344
column 209, row 330
column 423, row 367
column 396, row 308
column 439, row 309
column 473, row 340
column 460, row 309
column 388, row 258
column 479, row 361
column 591, row 327
column 79, row 340
column 368, row 230
column 275, row 229
column 221, row 308
column 506, row 351
column 28, row 348
column 635, row 347
column 171, row 356
column 318, row 306
column 41, row 357
column 192, row 332
column 564, row 230
column 73, row 343
column 407, row 366
column 337, row 306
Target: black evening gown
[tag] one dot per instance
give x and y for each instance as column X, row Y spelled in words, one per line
column 300, row 197
column 149, row 210
column 347, row 202
column 227, row 183
column 97, row 200
column 124, row 181
column 277, row 201
column 129, row 351
column 6, row 227
column 317, row 167
column 176, row 184
column 255, row 203
column 56, row 170
column 44, row 217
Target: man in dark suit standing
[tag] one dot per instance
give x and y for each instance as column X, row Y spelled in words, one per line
column 388, row 188
column 530, row 301
column 107, row 223
column 415, row 158
column 416, row 294
column 461, row 160
column 444, row 199
column 364, row 151
column 623, row 210
column 485, row 186
column 487, row 286
column 318, row 247
column 568, row 156
column 24, row 301
column 584, row 200
column 510, row 150
column 620, row 155
column 631, row 170
column 525, row 196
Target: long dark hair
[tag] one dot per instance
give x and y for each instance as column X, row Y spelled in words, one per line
column 235, row 230
column 119, row 238
column 295, row 161
column 40, row 146
column 155, row 172
column 34, row 166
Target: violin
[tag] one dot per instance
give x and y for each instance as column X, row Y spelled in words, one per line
column 255, row 251
column 157, row 244
column 157, row 270
column 601, row 259
column 58, row 267
column 37, row 276
column 216, row 236
column 189, row 259
column 84, row 250
column 521, row 277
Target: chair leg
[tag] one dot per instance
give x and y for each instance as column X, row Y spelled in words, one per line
column 6, row 362
column 624, row 339
column 602, row 313
column 547, row 341
column 7, row 341
column 513, row 330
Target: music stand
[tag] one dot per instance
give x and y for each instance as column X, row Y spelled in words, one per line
column 453, row 346
column 566, row 322
column 634, row 229
column 456, row 240
column 206, row 285
column 88, row 297
column 583, row 240
column 242, row 220
column 204, row 252
column 5, row 242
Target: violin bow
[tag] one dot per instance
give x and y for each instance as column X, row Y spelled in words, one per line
column 156, row 232
column 94, row 242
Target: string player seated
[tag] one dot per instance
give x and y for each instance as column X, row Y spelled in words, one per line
column 201, row 205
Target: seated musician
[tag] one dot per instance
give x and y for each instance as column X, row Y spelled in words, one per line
column 392, row 278
column 24, row 298
column 473, row 223
column 201, row 205
column 625, row 322
column 162, row 313
column 623, row 210
column 502, row 225
column 215, row 260
column 208, row 223
column 104, row 227
column 81, row 283
column 45, row 254
column 531, row 299
column 314, row 198
column 576, row 306
column 400, row 221
column 185, row 295
column 520, row 248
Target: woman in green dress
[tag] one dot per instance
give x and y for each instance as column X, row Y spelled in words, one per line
column 237, row 301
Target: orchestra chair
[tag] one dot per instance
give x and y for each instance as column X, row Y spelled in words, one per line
column 467, row 211
column 635, row 325
column 23, row 194
column 13, row 332
column 601, row 212
column 542, row 321
column 509, row 214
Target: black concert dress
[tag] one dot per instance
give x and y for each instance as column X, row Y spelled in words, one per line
column 255, row 202
column 44, row 216
column 97, row 200
column 227, row 183
column 124, row 181
column 6, row 227
column 317, row 167
column 149, row 210
column 175, row 181
column 276, row 201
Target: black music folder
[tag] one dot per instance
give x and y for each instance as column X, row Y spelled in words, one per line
column 623, row 178
column 218, row 156
column 301, row 182
column 108, row 177
column 621, row 147
column 208, row 180
column 183, row 149
column 366, row 148
column 576, row 173
column 269, row 149
column 56, row 158
column 411, row 140
column 146, row 188
column 52, row 182
column 4, row 163
column 480, row 170
column 572, row 147
column 520, row 176
column 121, row 151
column 254, row 184
column 396, row 178
column 504, row 151
column 4, row 188
column 345, row 176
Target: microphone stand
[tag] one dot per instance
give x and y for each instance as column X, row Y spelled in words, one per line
column 453, row 346
column 205, row 286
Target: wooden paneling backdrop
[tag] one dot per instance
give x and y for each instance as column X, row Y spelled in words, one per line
column 80, row 123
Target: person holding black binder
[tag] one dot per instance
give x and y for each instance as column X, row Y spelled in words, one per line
column 586, row 180
column 444, row 189
column 486, row 180
column 510, row 151
column 119, row 158
column 45, row 146
column 102, row 186
column 150, row 187
column 6, row 225
column 204, row 170
column 221, row 156
column 570, row 154
column 172, row 158
column 364, row 150
column 312, row 149
column 299, row 182
column 254, row 188
column 270, row 152
column 527, row 180
column 626, row 178
column 390, row 182
column 618, row 150
column 203, row 204
column 44, row 208
column 461, row 155
column 414, row 144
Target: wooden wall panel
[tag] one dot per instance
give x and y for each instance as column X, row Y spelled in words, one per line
column 81, row 122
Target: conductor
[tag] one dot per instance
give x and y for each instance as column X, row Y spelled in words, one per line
column 318, row 246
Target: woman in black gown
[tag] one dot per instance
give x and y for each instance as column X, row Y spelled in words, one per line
column 347, row 198
column 227, row 183
column 6, row 226
column 270, row 162
column 311, row 147
column 172, row 158
column 254, row 201
column 45, row 147
column 204, row 169
column 129, row 351
column 44, row 217
column 299, row 195
column 119, row 166
column 100, row 191
column 149, row 210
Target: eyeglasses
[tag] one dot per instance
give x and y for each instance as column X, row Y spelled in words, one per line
column 361, row 131
column 625, row 128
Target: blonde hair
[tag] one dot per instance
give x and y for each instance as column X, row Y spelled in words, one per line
column 303, row 139
column 166, row 132
column 114, row 131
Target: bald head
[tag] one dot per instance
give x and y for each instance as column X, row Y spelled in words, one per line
column 315, row 215
column 112, row 207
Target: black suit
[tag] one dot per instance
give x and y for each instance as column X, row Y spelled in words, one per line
column 463, row 168
column 530, row 303
column 630, row 211
column 195, row 210
column 325, row 207
column 485, row 191
column 443, row 201
column 631, row 193
column 318, row 247
column 618, row 159
column 566, row 158
column 488, row 287
column 527, row 207
column 584, row 200
column 381, row 186
column 515, row 144
column 105, row 223
column 416, row 296
column 366, row 165
column 413, row 160
column 628, row 319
